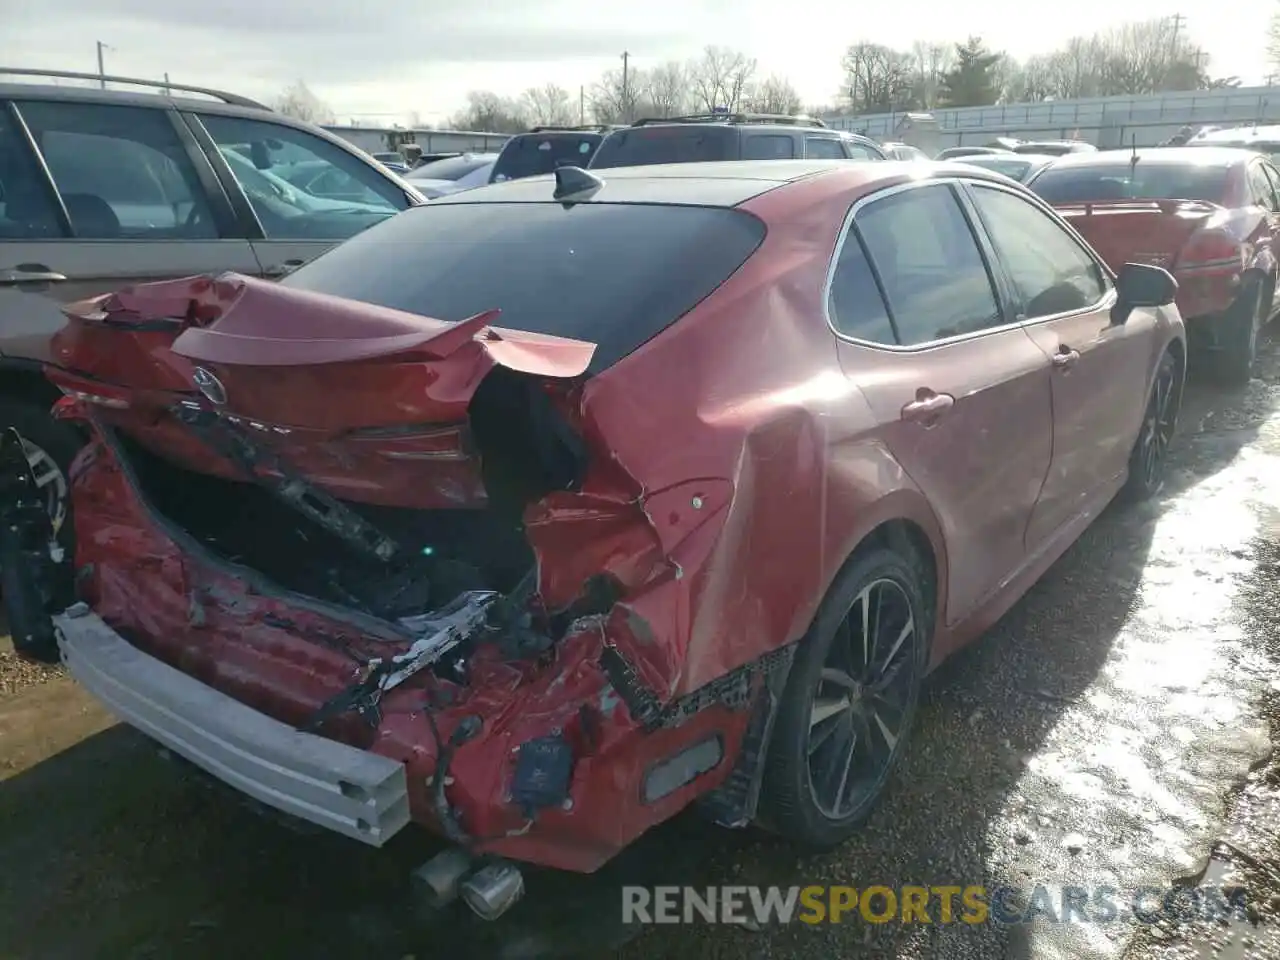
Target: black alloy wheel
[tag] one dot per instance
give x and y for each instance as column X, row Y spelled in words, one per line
column 1149, row 458
column 850, row 700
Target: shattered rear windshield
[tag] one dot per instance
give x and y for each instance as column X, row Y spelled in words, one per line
column 666, row 143
column 612, row 274
column 1124, row 181
column 534, row 154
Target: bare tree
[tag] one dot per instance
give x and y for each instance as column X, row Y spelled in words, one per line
column 613, row 101
column 1273, row 41
column 929, row 64
column 667, row 89
column 876, row 78
column 549, row 106
column 1032, row 82
column 1004, row 77
column 775, row 95
column 721, row 79
column 490, row 113
column 299, row 102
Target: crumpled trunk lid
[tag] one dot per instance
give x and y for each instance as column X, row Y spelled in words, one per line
column 368, row 403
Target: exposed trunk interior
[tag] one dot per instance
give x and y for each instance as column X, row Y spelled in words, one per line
column 442, row 552
column 526, row 451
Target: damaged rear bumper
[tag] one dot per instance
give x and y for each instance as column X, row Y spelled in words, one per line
column 349, row 791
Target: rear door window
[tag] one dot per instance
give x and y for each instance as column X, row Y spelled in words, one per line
column 854, row 302
column 122, row 172
column 823, row 148
column 768, row 146
column 530, row 156
column 925, row 252
column 300, row 186
column 667, row 143
column 27, row 208
column 858, row 151
column 612, row 274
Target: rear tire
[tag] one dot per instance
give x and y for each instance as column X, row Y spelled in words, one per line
column 1239, row 340
column 839, row 733
column 1150, row 450
column 51, row 445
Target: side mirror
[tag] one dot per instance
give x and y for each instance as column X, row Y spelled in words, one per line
column 1142, row 285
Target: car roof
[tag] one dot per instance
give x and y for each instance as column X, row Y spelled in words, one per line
column 145, row 95
column 1266, row 132
column 726, row 183
column 1196, row 156
column 1006, row 157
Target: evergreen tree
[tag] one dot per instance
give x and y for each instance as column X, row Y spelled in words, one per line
column 972, row 81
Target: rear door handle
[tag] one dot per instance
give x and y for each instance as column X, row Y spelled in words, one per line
column 30, row 273
column 1065, row 357
column 928, row 407
column 277, row 270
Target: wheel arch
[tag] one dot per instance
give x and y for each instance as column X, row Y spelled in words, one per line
column 904, row 522
column 25, row 381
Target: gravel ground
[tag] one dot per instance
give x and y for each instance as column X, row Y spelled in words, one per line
column 16, row 673
column 1113, row 727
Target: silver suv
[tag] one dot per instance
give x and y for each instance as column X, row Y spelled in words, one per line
column 104, row 187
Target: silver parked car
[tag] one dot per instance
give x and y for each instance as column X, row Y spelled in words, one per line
column 103, row 187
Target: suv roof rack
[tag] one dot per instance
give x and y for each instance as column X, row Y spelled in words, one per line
column 576, row 128
column 778, row 118
column 229, row 98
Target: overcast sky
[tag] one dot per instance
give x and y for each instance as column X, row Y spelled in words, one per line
column 367, row 58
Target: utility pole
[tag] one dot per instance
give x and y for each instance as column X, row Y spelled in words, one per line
column 582, row 106
column 1179, row 21
column 166, row 83
column 626, row 99
column 102, row 73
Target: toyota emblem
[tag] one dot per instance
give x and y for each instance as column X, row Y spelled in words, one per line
column 210, row 386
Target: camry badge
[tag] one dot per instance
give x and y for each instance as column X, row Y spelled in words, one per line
column 210, row 386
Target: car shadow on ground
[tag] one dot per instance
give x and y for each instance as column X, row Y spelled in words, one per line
column 113, row 852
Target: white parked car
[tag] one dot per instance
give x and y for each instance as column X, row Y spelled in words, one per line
column 453, row 174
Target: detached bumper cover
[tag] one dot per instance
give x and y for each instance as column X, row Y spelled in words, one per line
column 348, row 791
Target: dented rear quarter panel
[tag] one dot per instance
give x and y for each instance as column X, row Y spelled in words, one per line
column 743, row 405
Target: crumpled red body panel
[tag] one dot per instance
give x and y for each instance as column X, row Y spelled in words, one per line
column 285, row 660
column 730, row 476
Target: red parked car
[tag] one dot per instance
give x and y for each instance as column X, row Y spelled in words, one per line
column 538, row 513
column 1211, row 215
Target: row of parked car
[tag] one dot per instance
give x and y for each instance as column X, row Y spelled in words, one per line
column 472, row 519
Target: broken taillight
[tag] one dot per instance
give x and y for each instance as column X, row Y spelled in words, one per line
column 1211, row 251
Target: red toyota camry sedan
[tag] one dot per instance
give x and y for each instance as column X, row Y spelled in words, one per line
column 536, row 514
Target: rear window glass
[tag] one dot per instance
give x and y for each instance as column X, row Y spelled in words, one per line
column 613, row 274
column 1124, row 181
column 641, row 146
column 1010, row 168
column 528, row 156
